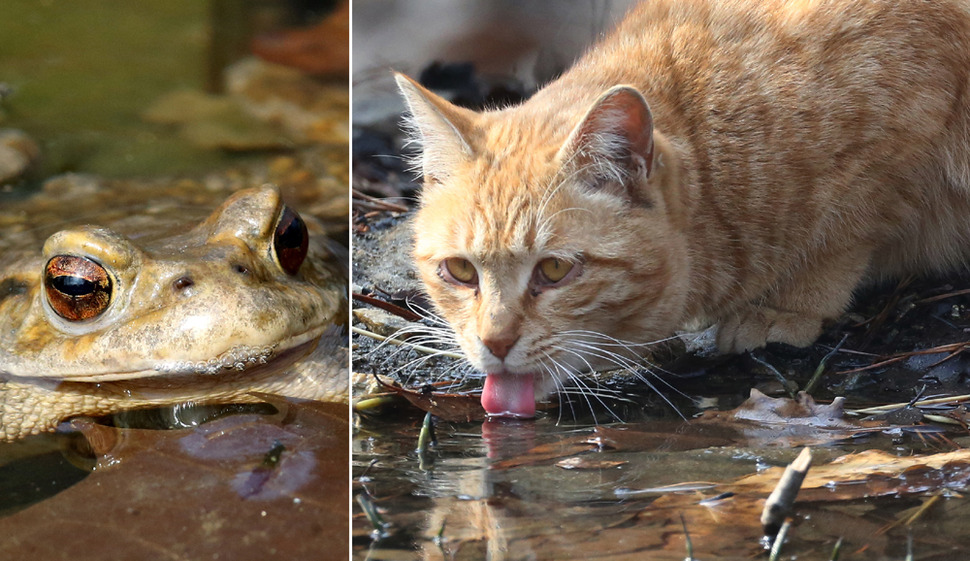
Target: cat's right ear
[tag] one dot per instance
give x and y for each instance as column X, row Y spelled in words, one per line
column 612, row 146
column 438, row 127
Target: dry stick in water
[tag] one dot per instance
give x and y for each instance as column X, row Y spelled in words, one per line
column 780, row 501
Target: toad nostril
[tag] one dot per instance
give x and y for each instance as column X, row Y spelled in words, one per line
column 240, row 268
column 183, row 282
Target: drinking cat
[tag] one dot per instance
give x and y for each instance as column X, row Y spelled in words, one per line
column 733, row 162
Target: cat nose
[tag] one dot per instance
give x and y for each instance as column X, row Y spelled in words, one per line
column 500, row 345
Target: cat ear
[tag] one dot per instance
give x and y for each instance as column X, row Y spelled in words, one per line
column 436, row 125
column 613, row 144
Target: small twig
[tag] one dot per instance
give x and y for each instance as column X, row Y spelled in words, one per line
column 883, row 315
column 439, row 539
column 369, row 209
column 367, row 469
column 426, row 437
column 784, row 381
column 921, row 510
column 379, row 203
column 955, row 399
column 387, row 306
column 851, row 352
column 690, row 544
column 836, row 550
column 779, row 540
column 947, row 357
column 939, row 297
column 908, row 522
column 953, row 348
column 370, row 511
column 779, row 503
column 813, row 381
column 391, row 340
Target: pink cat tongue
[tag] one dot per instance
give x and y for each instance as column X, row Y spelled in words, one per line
column 509, row 395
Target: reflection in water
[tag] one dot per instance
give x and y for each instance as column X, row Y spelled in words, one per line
column 508, row 438
column 537, row 490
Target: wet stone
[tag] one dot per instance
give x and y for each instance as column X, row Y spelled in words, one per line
column 18, row 155
column 382, row 322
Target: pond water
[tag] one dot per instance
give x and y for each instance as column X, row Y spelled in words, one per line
column 80, row 74
column 563, row 489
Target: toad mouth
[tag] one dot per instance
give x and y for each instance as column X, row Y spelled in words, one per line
column 237, row 360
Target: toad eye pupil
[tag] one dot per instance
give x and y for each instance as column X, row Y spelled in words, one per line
column 73, row 286
column 77, row 288
column 290, row 241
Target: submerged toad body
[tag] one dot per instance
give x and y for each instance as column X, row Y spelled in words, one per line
column 104, row 319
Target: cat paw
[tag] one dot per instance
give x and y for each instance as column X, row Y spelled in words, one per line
column 759, row 326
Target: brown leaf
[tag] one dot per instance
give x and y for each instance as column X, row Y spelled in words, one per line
column 783, row 422
column 446, row 406
column 876, row 473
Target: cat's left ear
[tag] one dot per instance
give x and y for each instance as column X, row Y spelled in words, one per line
column 439, row 127
column 613, row 143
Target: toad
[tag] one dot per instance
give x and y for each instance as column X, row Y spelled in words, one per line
column 133, row 313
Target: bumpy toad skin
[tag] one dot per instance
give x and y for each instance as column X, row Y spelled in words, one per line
column 206, row 313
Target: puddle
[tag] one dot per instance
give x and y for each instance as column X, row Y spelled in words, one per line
column 525, row 490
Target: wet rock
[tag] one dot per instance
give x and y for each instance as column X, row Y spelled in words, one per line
column 18, row 155
column 184, row 106
column 267, row 107
column 234, row 135
column 215, row 122
column 307, row 110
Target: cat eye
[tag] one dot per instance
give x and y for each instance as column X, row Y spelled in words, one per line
column 290, row 241
column 77, row 288
column 553, row 271
column 459, row 271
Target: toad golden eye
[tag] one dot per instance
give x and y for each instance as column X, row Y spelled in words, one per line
column 76, row 288
column 554, row 270
column 459, row 270
column 290, row 241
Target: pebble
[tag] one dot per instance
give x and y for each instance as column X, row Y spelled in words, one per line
column 383, row 323
column 18, row 154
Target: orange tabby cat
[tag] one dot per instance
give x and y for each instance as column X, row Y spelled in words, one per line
column 742, row 162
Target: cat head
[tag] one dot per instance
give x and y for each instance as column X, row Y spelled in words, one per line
column 547, row 237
